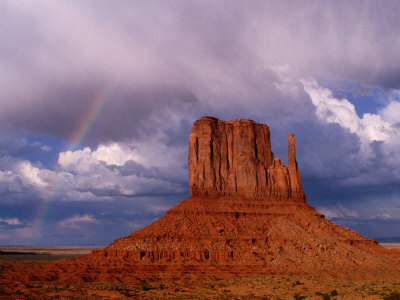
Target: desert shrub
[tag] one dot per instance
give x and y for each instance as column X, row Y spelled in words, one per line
column 298, row 296
column 334, row 293
column 296, row 283
column 126, row 293
column 319, row 293
column 326, row 297
column 392, row 296
column 144, row 285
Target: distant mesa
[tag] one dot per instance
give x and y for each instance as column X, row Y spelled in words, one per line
column 246, row 215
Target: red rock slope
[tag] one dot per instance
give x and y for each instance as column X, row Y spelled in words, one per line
column 247, row 214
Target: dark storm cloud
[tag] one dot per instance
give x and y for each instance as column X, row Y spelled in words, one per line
column 80, row 222
column 390, row 78
column 14, row 143
column 66, row 110
column 159, row 66
column 137, row 114
column 160, row 57
column 327, row 151
column 132, row 167
column 371, row 210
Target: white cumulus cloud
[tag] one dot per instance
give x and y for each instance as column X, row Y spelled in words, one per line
column 378, row 133
column 391, row 112
column 10, row 221
column 77, row 221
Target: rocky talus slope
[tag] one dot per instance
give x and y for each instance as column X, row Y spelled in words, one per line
column 246, row 215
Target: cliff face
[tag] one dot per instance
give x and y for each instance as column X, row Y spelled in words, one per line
column 234, row 158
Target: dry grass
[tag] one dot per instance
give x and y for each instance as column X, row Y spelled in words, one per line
column 260, row 287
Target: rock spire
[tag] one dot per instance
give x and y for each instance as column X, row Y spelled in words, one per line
column 234, row 158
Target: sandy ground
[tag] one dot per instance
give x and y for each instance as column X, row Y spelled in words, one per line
column 260, row 287
column 390, row 245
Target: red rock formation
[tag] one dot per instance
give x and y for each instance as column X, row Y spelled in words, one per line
column 234, row 158
column 284, row 182
column 246, row 215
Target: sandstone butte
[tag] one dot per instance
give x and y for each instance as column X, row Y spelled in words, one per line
column 246, row 215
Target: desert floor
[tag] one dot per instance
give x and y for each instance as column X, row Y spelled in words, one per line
column 260, row 287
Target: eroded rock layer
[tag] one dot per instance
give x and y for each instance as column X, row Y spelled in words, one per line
column 234, row 158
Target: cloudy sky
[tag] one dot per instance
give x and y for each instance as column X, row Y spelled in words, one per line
column 97, row 99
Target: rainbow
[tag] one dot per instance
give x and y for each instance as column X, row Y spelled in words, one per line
column 83, row 127
column 90, row 116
